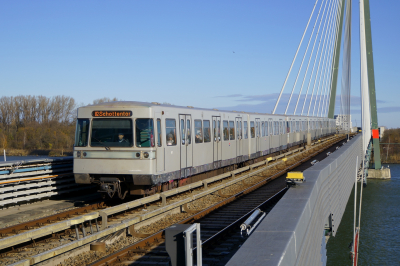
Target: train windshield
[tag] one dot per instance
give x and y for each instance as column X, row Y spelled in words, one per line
column 81, row 134
column 111, row 132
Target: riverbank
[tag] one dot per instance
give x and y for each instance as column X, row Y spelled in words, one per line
column 390, row 147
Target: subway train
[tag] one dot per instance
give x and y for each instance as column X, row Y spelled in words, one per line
column 138, row 148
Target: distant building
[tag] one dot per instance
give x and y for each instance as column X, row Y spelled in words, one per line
column 343, row 122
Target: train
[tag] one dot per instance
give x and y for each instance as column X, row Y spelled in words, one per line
column 139, row 148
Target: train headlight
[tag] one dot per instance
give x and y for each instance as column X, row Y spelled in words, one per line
column 138, row 155
column 146, row 155
column 84, row 154
column 78, row 154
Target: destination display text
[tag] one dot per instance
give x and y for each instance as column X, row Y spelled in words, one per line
column 112, row 113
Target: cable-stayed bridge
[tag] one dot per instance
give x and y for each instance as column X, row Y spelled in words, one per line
column 295, row 232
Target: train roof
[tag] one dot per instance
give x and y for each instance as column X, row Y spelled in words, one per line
column 121, row 104
column 125, row 104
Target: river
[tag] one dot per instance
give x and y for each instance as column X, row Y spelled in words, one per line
column 380, row 225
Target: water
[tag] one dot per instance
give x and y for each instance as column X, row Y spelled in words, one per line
column 380, row 230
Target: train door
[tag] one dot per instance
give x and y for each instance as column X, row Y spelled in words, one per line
column 160, row 149
column 239, row 147
column 185, row 125
column 258, row 135
column 217, row 144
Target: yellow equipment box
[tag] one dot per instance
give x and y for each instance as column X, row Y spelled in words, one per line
column 295, row 176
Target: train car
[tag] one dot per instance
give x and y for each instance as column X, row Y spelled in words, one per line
column 136, row 148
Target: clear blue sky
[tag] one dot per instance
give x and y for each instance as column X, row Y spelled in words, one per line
column 224, row 54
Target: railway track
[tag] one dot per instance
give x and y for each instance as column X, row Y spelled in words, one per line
column 147, row 212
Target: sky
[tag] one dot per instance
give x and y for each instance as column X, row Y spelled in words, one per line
column 232, row 55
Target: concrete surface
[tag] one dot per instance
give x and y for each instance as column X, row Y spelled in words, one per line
column 383, row 173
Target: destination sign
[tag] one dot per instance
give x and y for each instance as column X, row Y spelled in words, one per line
column 112, row 113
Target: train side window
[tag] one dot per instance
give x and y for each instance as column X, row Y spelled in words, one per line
column 144, row 132
column 189, row 132
column 271, row 128
column 159, row 144
column 226, row 130
column 231, row 130
column 245, row 130
column 262, row 129
column 183, row 131
column 170, row 131
column 198, row 129
column 266, row 129
column 207, row 135
column 239, row 130
column 215, row 130
column 252, row 129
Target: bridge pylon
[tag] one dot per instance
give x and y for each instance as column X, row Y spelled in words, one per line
column 371, row 86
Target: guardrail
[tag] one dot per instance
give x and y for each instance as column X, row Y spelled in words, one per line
column 293, row 233
column 27, row 180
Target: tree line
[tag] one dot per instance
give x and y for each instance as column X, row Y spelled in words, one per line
column 390, row 153
column 38, row 122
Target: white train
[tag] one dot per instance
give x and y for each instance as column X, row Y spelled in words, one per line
column 142, row 148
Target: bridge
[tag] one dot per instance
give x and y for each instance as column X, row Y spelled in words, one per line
column 297, row 229
column 301, row 221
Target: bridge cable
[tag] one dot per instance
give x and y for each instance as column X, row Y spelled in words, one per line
column 328, row 52
column 305, row 53
column 328, row 70
column 323, row 67
column 317, row 77
column 311, row 54
column 294, row 59
column 346, row 69
column 335, row 50
column 315, row 60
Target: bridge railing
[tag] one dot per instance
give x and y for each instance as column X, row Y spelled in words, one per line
column 293, row 233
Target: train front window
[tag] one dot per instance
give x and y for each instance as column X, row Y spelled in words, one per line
column 111, row 132
column 81, row 134
column 144, row 132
